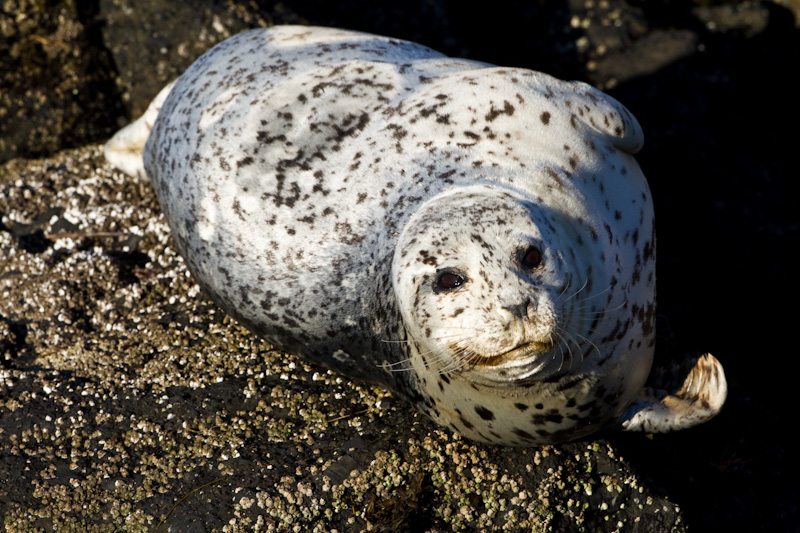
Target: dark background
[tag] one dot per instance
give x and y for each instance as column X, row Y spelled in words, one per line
column 713, row 85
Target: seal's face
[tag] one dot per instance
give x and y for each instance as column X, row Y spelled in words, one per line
column 486, row 290
column 496, row 297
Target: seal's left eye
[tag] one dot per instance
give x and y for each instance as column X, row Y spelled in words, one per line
column 450, row 280
column 532, row 257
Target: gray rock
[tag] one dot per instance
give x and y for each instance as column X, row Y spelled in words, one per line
column 123, row 391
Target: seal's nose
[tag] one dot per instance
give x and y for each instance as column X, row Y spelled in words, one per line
column 525, row 309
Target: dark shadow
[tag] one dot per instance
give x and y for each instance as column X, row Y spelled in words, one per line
column 719, row 155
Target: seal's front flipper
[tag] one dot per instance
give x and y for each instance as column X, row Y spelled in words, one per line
column 124, row 149
column 699, row 397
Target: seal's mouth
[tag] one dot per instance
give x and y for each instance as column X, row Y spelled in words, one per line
column 521, row 353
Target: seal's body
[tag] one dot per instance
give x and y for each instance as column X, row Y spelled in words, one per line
column 478, row 239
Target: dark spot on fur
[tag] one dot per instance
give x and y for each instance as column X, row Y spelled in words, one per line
column 552, row 416
column 484, row 413
column 523, row 434
column 508, row 109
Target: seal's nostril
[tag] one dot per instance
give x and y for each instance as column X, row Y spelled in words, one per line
column 525, row 309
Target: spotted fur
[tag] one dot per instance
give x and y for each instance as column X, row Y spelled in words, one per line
column 478, row 239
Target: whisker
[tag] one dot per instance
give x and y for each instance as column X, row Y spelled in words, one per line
column 390, row 366
column 586, row 282
column 573, row 335
column 595, row 295
column 448, row 352
column 451, row 362
column 562, row 347
column 563, row 300
column 459, row 360
column 620, row 306
column 566, row 340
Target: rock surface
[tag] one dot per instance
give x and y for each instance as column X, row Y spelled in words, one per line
column 128, row 401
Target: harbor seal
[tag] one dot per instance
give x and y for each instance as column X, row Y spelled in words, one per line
column 478, row 239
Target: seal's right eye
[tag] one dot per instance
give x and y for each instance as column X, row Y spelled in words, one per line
column 449, row 280
column 532, row 257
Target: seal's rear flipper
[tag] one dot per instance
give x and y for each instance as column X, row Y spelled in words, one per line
column 124, row 149
column 699, row 398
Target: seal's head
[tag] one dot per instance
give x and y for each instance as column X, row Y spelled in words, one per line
column 482, row 289
column 486, row 281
